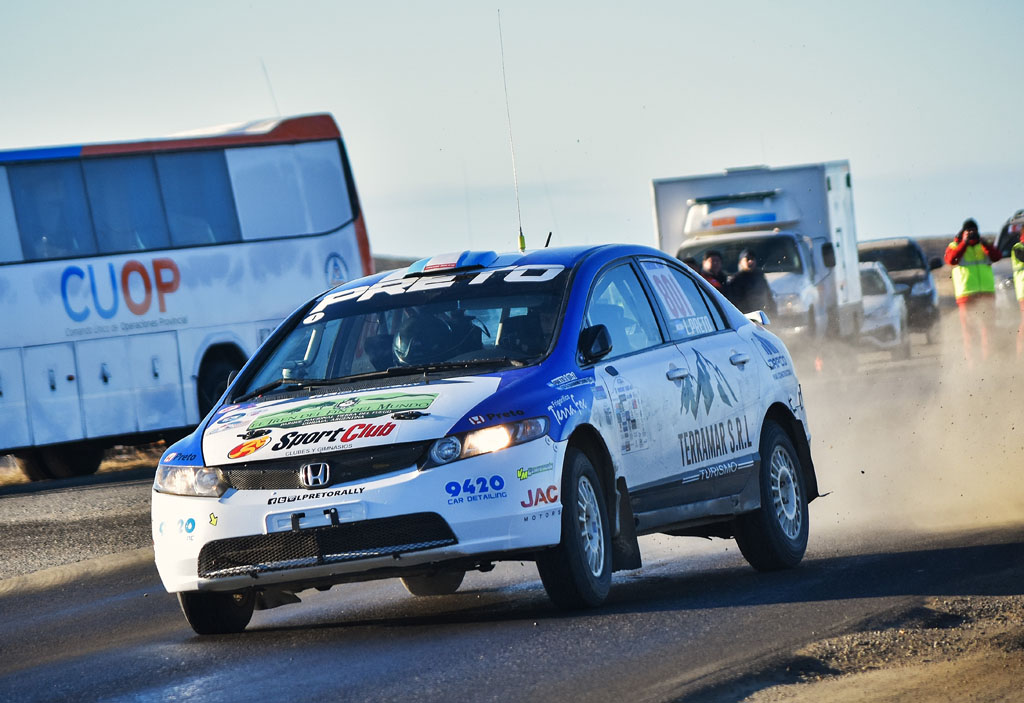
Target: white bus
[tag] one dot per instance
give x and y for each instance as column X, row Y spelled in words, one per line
column 135, row 277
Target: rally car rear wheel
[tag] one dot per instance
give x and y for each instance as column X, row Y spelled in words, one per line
column 775, row 535
column 578, row 572
column 441, row 584
column 217, row 613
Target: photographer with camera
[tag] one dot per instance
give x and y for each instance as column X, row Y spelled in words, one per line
column 974, row 285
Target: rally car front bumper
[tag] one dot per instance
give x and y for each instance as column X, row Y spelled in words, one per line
column 507, row 501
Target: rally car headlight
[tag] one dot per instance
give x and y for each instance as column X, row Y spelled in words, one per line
column 190, row 481
column 486, row 440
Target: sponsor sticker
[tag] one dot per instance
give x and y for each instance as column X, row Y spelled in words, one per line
column 527, row 471
column 567, row 406
column 300, row 497
column 397, row 285
column 711, row 442
column 343, row 435
column 540, row 496
column 542, row 515
column 702, row 389
column 570, row 380
column 473, row 490
column 491, row 417
column 355, row 408
column 248, row 447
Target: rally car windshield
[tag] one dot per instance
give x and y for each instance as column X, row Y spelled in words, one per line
column 409, row 325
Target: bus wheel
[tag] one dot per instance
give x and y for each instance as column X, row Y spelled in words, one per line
column 213, row 381
column 31, row 464
column 70, row 460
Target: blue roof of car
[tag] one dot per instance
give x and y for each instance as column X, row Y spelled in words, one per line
column 456, row 262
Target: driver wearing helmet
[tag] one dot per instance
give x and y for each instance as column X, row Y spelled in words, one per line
column 421, row 338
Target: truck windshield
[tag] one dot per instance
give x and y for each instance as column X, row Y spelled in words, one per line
column 871, row 283
column 775, row 254
column 408, row 325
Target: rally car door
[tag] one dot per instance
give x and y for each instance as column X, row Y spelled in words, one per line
column 634, row 382
column 716, row 423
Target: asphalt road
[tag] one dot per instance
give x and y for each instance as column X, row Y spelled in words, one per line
column 903, row 521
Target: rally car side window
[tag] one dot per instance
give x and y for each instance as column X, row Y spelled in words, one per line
column 686, row 311
column 618, row 302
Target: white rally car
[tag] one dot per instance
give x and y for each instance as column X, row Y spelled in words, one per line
column 549, row 406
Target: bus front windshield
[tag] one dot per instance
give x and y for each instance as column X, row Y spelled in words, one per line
column 431, row 323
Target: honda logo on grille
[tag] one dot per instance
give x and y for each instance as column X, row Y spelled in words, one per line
column 315, row 475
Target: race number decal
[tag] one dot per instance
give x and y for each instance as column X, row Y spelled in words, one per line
column 669, row 292
column 683, row 318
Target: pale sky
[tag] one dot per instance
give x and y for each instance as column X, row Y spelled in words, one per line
column 925, row 99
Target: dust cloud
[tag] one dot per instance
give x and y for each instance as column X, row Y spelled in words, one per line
column 928, row 443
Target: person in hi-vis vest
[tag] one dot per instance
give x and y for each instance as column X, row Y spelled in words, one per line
column 973, row 284
column 1018, row 286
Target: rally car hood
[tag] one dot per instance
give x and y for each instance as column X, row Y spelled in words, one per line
column 344, row 420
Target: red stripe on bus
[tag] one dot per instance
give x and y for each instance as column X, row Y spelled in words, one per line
column 297, row 129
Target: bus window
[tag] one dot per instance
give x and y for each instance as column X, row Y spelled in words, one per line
column 51, row 210
column 10, row 243
column 197, row 196
column 289, row 190
column 125, row 201
column 127, row 261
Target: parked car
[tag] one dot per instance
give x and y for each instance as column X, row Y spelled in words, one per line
column 1006, row 294
column 885, row 311
column 906, row 264
column 476, row 407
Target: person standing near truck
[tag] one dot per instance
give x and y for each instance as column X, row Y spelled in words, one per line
column 748, row 289
column 711, row 269
column 1018, row 286
column 973, row 284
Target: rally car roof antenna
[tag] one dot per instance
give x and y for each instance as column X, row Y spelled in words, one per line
column 511, row 145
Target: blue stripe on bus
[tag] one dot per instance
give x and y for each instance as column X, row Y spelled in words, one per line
column 56, row 152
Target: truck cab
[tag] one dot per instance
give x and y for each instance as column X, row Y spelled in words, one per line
column 785, row 259
column 798, row 220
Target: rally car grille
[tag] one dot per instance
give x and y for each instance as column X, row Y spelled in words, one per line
column 346, row 466
column 324, row 545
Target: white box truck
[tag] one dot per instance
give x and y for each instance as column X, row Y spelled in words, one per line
column 799, row 222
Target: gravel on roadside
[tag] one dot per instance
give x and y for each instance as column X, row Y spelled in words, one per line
column 66, row 525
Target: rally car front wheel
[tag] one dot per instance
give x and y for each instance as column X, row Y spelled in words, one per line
column 775, row 535
column 213, row 613
column 578, row 572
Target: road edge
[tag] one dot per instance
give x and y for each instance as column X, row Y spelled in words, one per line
column 66, row 574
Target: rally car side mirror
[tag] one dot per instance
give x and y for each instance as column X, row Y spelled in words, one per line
column 595, row 342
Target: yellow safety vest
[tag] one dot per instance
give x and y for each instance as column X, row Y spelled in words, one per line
column 1018, row 269
column 974, row 274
